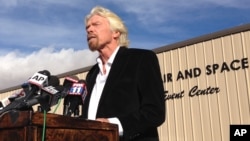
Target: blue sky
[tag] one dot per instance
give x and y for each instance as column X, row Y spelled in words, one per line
column 50, row 34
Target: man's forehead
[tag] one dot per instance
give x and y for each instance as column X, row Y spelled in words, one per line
column 96, row 18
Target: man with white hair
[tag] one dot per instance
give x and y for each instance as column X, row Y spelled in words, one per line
column 125, row 85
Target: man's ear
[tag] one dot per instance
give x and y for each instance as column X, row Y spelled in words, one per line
column 116, row 34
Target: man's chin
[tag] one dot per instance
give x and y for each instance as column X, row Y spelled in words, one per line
column 93, row 47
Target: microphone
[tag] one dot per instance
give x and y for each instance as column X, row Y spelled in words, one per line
column 31, row 89
column 75, row 98
column 69, row 80
column 36, row 82
column 40, row 78
column 49, row 97
column 6, row 101
column 46, row 92
column 19, row 94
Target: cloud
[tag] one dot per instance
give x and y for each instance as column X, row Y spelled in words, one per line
column 163, row 11
column 8, row 3
column 14, row 3
column 41, row 23
column 17, row 67
column 27, row 34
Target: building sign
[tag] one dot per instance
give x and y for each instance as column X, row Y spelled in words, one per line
column 210, row 69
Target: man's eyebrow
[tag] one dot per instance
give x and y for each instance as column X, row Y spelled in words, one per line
column 93, row 23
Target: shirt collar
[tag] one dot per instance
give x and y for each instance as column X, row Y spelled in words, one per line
column 112, row 57
column 110, row 60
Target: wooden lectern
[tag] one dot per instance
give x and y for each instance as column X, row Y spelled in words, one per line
column 28, row 126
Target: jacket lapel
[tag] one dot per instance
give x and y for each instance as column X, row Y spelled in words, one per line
column 116, row 68
column 90, row 79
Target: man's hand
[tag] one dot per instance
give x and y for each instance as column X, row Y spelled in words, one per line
column 102, row 120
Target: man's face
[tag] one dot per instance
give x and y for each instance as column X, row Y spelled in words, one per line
column 99, row 33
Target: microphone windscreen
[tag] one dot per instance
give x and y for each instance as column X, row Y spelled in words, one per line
column 69, row 80
column 53, row 81
column 74, row 77
column 82, row 81
column 45, row 72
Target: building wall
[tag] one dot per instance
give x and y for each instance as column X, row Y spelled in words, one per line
column 206, row 82
column 208, row 88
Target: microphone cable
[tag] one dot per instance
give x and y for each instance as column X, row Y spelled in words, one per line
column 44, row 124
column 57, row 105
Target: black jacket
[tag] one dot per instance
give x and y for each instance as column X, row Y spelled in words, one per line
column 133, row 93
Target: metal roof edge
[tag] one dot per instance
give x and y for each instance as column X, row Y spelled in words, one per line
column 203, row 38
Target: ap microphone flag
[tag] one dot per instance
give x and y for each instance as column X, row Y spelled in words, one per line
column 39, row 79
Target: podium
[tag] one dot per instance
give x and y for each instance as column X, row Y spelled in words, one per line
column 28, row 126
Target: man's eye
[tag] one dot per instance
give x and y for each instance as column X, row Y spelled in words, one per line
column 96, row 24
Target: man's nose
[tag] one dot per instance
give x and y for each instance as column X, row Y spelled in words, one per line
column 89, row 29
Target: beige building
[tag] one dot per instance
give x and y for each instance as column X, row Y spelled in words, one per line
column 207, row 85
